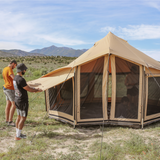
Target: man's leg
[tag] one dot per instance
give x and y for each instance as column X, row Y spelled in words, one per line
column 10, row 106
column 19, row 126
column 22, row 115
column 7, row 110
column 21, row 123
column 12, row 110
column 18, row 120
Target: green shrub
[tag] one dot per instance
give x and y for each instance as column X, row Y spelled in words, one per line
column 1, row 70
column 37, row 73
column 43, row 71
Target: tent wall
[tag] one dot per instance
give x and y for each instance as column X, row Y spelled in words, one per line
column 151, row 71
column 90, row 107
column 120, row 70
column 47, row 100
column 60, row 101
column 108, row 99
column 152, row 107
column 99, row 87
column 95, row 86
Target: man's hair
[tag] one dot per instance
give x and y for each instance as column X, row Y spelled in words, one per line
column 13, row 61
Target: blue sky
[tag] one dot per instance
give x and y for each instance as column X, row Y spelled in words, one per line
column 78, row 24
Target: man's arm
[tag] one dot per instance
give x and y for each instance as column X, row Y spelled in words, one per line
column 27, row 88
column 12, row 76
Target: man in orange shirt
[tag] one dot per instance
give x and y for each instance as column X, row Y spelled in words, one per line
column 8, row 90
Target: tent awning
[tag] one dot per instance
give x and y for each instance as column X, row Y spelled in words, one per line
column 48, row 82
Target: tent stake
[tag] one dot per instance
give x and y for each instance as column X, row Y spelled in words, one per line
column 142, row 123
column 74, row 126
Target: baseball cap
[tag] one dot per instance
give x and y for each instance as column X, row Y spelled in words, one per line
column 21, row 67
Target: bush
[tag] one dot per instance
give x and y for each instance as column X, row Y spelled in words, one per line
column 0, row 70
column 43, row 72
column 1, row 77
column 37, row 73
column 32, row 69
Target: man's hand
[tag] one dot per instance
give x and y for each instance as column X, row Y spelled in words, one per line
column 38, row 90
column 30, row 89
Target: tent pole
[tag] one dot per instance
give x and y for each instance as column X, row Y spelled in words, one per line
column 144, row 97
column 74, row 126
column 105, row 107
column 108, row 115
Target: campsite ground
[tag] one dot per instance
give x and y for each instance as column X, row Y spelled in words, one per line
column 55, row 140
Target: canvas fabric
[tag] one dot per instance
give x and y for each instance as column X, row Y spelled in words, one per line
column 110, row 44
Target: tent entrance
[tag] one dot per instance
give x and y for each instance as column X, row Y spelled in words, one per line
column 125, row 90
column 91, row 77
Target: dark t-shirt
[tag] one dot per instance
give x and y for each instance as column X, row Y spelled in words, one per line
column 21, row 95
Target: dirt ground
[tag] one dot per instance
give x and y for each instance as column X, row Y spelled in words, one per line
column 75, row 139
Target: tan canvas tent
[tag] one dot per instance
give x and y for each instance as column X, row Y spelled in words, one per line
column 111, row 83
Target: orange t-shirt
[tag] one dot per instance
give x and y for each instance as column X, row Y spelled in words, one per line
column 7, row 71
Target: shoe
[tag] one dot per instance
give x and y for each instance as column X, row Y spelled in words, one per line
column 17, row 138
column 11, row 124
column 22, row 136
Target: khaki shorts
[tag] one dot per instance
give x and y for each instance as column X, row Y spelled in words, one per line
column 10, row 94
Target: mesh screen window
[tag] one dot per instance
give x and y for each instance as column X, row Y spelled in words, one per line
column 127, row 89
column 153, row 106
column 91, row 89
column 62, row 100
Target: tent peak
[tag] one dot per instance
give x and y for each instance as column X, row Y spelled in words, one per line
column 110, row 33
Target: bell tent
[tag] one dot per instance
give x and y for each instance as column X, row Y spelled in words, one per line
column 111, row 83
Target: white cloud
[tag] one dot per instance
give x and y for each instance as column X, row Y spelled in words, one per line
column 135, row 32
column 15, row 26
column 107, row 29
column 34, row 22
column 155, row 54
column 153, row 3
column 14, row 45
column 57, row 38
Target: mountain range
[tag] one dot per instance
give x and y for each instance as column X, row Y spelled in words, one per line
column 48, row 51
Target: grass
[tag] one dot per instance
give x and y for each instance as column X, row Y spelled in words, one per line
column 54, row 140
column 134, row 147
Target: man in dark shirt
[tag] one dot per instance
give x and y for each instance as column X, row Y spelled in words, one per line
column 21, row 99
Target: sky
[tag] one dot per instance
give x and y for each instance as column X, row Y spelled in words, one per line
column 78, row 24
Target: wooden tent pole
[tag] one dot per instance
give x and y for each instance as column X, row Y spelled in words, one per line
column 143, row 97
column 74, row 101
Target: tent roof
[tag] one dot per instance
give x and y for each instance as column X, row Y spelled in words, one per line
column 50, row 81
column 110, row 44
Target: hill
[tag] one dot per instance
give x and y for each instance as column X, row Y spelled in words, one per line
column 59, row 51
column 48, row 51
column 16, row 52
column 5, row 54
